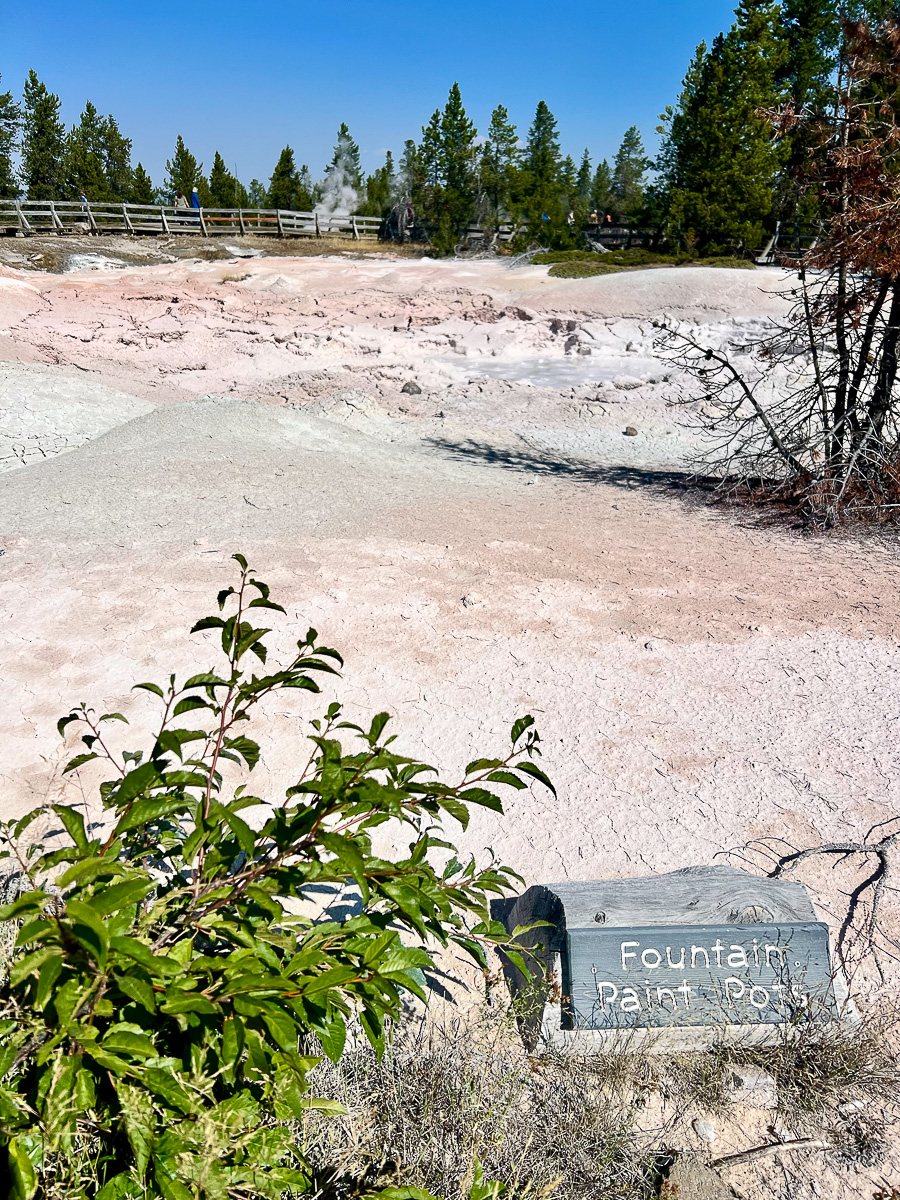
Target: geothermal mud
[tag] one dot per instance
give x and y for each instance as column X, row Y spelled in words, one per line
column 486, row 543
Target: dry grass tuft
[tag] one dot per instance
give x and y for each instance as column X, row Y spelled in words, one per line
column 577, row 1127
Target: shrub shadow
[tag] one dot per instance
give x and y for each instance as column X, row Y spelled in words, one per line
column 528, row 461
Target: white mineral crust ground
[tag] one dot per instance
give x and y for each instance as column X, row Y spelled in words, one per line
column 486, row 548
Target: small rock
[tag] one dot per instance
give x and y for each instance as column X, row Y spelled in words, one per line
column 626, row 383
column 704, row 1129
column 584, row 349
column 411, row 388
column 754, row 1087
column 630, row 431
column 571, row 343
column 472, row 599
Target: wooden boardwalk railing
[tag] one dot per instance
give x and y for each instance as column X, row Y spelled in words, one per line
column 74, row 216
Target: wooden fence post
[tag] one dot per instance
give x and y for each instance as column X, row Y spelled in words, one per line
column 23, row 220
column 202, row 222
column 162, row 217
column 128, row 225
column 278, row 219
column 241, row 220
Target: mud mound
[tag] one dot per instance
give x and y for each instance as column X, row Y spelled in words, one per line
column 45, row 411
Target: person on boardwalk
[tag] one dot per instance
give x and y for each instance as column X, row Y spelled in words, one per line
column 181, row 200
column 195, row 198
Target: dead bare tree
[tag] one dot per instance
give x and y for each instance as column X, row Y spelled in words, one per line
column 810, row 413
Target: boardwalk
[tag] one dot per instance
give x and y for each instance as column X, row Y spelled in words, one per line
column 67, row 216
column 80, row 217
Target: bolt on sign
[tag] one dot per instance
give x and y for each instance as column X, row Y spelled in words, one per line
column 697, row 975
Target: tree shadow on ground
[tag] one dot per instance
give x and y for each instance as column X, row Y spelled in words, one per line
column 528, row 461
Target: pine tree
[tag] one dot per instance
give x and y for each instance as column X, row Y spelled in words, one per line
column 447, row 160
column 183, row 172
column 225, row 190
column 541, row 194
column 84, row 165
column 500, row 157
column 585, row 178
column 10, row 123
column 380, row 190
column 256, row 194
column 601, row 188
column 43, row 143
column 117, row 167
column 411, row 176
column 629, row 176
column 287, row 187
column 429, row 153
column 142, row 190
column 718, row 161
column 810, row 32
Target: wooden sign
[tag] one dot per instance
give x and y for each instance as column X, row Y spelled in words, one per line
column 663, row 975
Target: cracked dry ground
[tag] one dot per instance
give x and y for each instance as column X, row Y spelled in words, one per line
column 478, row 550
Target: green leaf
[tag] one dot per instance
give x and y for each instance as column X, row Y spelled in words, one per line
column 138, row 990
column 22, row 1177
column 48, row 976
column 482, row 797
column 508, row 778
column 88, row 928
column 206, row 679
column 124, row 1041
column 110, row 899
column 520, row 726
column 184, row 1002
column 73, row 820
column 529, row 768
column 144, row 811
column 135, row 782
column 165, row 1084
column 208, row 623
column 187, row 704
column 156, row 964
column 28, row 902
column 78, row 761
column 149, row 687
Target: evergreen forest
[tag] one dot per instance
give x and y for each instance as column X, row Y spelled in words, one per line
column 718, row 183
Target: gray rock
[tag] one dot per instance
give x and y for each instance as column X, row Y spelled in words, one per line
column 627, row 383
column 748, row 1085
column 630, row 431
column 704, row 1129
column 411, row 388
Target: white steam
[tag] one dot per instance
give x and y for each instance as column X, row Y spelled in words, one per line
column 339, row 194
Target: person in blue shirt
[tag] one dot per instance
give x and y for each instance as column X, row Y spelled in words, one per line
column 195, row 198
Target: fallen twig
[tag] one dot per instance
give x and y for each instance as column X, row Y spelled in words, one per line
column 735, row 1160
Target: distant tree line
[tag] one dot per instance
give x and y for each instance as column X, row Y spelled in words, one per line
column 450, row 177
column 719, row 183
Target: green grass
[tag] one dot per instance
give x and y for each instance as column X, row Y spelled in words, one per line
column 583, row 270
column 581, row 264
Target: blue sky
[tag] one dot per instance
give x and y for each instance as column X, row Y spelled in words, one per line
column 247, row 77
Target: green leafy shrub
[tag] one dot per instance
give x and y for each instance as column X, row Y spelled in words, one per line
column 155, row 1023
